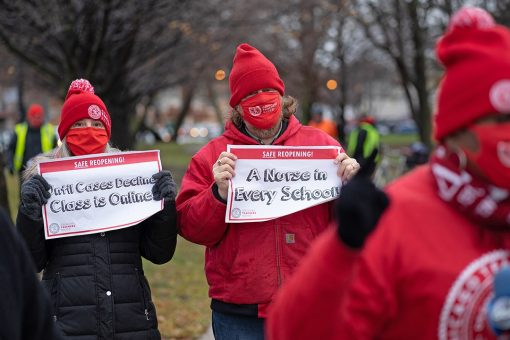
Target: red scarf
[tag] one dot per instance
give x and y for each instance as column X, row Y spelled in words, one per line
column 478, row 200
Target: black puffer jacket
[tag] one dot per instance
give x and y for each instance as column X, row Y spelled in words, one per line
column 96, row 282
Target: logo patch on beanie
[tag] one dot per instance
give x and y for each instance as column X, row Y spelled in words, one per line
column 94, row 112
column 500, row 96
column 503, row 149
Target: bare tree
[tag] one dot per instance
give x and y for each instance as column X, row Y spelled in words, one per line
column 402, row 30
column 124, row 47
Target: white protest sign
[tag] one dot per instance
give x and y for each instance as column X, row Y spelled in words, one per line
column 100, row 192
column 274, row 181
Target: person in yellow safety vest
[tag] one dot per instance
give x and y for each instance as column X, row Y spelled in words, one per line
column 364, row 144
column 30, row 138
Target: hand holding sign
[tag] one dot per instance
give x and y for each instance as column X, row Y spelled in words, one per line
column 34, row 194
column 347, row 167
column 224, row 170
column 164, row 188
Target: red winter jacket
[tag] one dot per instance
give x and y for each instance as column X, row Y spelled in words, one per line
column 245, row 263
column 425, row 273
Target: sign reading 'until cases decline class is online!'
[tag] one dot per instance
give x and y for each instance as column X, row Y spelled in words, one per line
column 274, row 181
column 101, row 192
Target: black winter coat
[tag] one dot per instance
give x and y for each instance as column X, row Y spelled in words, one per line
column 96, row 282
column 24, row 306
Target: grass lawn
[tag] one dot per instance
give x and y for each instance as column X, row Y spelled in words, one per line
column 399, row 139
column 179, row 288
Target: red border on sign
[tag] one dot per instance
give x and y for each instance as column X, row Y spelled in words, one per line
column 287, row 153
column 64, row 165
column 284, row 153
column 71, row 163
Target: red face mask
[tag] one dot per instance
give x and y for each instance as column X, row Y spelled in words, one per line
column 35, row 120
column 493, row 158
column 262, row 110
column 86, row 141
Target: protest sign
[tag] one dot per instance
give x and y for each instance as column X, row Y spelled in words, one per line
column 100, row 192
column 274, row 181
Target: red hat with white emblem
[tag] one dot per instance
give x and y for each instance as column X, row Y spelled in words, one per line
column 82, row 103
column 252, row 71
column 476, row 54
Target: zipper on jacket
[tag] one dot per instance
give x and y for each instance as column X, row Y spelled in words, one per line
column 55, row 288
column 146, row 309
column 277, row 239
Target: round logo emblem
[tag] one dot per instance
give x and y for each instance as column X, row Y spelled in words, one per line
column 236, row 212
column 464, row 312
column 54, row 228
column 500, row 96
column 503, row 150
column 255, row 110
column 94, row 112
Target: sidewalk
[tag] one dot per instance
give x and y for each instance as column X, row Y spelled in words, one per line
column 208, row 335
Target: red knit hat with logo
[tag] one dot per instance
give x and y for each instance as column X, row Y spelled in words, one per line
column 476, row 54
column 252, row 71
column 81, row 103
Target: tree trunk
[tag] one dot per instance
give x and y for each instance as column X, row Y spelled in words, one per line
column 340, row 123
column 423, row 113
column 121, row 113
column 4, row 198
column 213, row 99
column 20, row 87
column 187, row 96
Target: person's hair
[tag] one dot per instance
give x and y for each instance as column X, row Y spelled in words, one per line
column 289, row 108
column 60, row 151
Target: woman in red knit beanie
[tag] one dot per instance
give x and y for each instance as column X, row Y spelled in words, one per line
column 96, row 282
column 247, row 262
column 427, row 270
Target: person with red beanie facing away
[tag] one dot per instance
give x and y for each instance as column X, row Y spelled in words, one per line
column 427, row 270
column 246, row 263
column 29, row 139
column 96, row 282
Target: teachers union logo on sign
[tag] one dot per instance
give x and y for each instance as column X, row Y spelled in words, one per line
column 54, row 228
column 464, row 311
column 94, row 112
column 236, row 212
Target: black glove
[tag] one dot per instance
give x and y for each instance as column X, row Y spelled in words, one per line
column 34, row 193
column 359, row 208
column 165, row 187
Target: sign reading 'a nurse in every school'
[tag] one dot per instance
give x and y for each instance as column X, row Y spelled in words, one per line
column 274, row 181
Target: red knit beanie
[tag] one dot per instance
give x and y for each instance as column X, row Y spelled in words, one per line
column 251, row 71
column 81, row 103
column 35, row 110
column 476, row 54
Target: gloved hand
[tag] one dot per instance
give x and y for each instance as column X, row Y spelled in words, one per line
column 34, row 193
column 165, row 187
column 359, row 207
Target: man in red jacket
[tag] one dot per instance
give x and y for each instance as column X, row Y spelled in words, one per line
column 426, row 271
column 247, row 262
